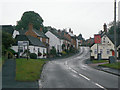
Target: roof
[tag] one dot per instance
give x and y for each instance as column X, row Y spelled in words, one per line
column 111, row 37
column 39, row 34
column 32, row 40
column 58, row 35
column 7, row 28
column 79, row 37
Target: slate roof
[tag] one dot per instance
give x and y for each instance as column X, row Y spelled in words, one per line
column 7, row 28
column 60, row 36
column 40, row 34
column 32, row 40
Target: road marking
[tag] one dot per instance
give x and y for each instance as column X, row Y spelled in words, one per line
column 74, row 71
column 100, row 86
column 84, row 77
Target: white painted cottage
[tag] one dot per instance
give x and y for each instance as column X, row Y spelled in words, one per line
column 55, row 39
column 35, row 46
column 106, row 47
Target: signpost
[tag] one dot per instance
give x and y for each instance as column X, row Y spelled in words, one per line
column 97, row 40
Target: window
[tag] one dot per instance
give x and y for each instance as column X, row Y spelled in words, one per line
column 108, row 51
column 46, row 40
column 40, row 39
column 38, row 49
column 43, row 50
column 95, row 51
column 101, row 51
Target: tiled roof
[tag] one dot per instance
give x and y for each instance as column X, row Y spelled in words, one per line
column 39, row 34
column 32, row 40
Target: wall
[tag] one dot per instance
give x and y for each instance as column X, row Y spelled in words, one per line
column 33, row 49
column 54, row 41
column 104, row 47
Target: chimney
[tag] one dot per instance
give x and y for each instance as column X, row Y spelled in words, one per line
column 70, row 30
column 40, row 29
column 105, row 27
column 30, row 26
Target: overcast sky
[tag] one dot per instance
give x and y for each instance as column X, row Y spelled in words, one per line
column 82, row 16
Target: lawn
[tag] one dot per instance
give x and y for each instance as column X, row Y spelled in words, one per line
column 29, row 70
column 112, row 65
column 99, row 61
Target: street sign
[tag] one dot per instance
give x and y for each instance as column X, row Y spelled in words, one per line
column 97, row 38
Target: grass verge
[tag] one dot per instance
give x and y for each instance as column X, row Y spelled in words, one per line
column 29, row 70
column 99, row 61
column 112, row 65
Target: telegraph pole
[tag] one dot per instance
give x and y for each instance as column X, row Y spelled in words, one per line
column 115, row 29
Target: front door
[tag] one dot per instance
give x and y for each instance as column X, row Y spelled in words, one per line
column 113, row 53
column 119, row 53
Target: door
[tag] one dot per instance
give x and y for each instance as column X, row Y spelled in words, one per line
column 119, row 53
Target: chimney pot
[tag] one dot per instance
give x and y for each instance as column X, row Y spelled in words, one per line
column 105, row 27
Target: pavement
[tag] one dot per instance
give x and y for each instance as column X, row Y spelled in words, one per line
column 72, row 72
column 8, row 77
column 105, row 69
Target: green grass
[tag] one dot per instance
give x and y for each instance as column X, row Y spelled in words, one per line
column 112, row 65
column 99, row 61
column 29, row 70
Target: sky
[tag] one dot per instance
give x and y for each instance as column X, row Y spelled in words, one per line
column 82, row 16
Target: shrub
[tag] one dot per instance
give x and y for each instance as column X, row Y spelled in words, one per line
column 33, row 56
column 53, row 51
column 64, row 53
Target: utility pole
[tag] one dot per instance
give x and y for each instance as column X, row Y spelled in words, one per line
column 115, row 29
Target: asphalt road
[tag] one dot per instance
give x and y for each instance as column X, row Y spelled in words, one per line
column 73, row 73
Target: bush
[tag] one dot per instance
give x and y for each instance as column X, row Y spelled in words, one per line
column 53, row 51
column 64, row 53
column 33, row 56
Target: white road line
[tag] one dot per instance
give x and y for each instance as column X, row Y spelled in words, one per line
column 100, row 86
column 74, row 71
column 84, row 77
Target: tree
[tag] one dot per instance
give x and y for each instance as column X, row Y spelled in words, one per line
column 111, row 29
column 30, row 17
column 7, row 41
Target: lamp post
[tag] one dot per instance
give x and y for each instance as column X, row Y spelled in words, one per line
column 115, row 29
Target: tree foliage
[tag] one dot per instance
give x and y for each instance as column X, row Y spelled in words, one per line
column 7, row 41
column 111, row 29
column 30, row 17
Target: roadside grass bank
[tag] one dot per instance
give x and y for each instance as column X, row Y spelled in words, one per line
column 99, row 61
column 29, row 70
column 112, row 65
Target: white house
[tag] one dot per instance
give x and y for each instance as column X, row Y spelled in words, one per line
column 35, row 46
column 105, row 48
column 55, row 40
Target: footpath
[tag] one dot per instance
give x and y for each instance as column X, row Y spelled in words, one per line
column 105, row 69
column 8, row 77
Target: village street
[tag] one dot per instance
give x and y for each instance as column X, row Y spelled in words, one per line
column 73, row 73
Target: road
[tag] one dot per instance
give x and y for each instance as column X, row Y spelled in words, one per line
column 73, row 73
